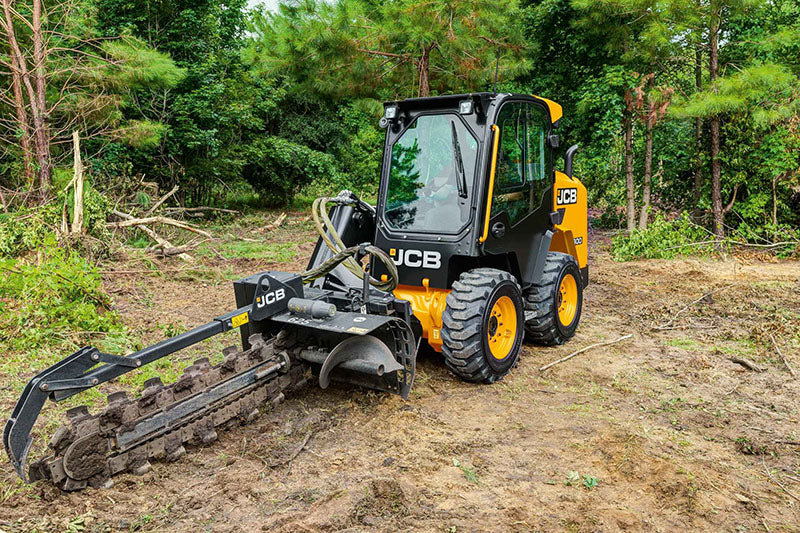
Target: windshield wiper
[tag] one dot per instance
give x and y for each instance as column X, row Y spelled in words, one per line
column 462, row 178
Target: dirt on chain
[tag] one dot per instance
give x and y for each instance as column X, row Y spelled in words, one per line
column 660, row 432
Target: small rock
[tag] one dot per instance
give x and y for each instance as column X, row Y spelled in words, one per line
column 388, row 461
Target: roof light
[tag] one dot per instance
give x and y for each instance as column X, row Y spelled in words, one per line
column 390, row 112
column 465, row 107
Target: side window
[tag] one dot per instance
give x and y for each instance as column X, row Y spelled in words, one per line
column 536, row 155
column 510, row 169
column 521, row 173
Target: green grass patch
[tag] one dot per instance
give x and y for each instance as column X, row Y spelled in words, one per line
column 685, row 343
column 281, row 252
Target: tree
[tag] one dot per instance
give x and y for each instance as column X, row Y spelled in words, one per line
column 651, row 104
column 373, row 49
column 63, row 78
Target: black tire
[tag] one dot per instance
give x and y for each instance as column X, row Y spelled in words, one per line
column 542, row 300
column 468, row 320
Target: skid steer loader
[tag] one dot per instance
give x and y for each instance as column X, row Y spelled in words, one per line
column 475, row 244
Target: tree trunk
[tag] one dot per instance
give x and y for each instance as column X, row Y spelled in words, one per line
column 77, row 211
column 19, row 98
column 423, row 68
column 698, row 130
column 40, row 120
column 716, row 164
column 648, row 173
column 631, row 207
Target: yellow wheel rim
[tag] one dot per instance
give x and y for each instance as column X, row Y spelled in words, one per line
column 567, row 300
column 502, row 327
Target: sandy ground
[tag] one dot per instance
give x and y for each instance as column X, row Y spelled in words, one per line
column 662, row 432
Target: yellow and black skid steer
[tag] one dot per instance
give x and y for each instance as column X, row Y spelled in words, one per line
column 476, row 243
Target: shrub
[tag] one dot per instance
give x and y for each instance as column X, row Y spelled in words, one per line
column 50, row 298
column 663, row 239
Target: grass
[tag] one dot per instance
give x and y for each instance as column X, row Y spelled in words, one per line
column 271, row 252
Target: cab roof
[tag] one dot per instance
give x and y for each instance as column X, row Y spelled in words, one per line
column 484, row 98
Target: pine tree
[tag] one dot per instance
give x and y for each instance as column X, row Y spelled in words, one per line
column 398, row 48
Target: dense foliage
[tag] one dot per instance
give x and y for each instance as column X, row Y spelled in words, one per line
column 677, row 105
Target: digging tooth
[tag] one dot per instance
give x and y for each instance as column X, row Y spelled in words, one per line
column 142, row 469
column 229, row 351
column 175, row 454
column 61, row 439
column 152, row 384
column 74, row 484
column 100, row 482
column 117, row 397
column 38, row 470
column 228, row 366
column 205, row 432
column 77, row 414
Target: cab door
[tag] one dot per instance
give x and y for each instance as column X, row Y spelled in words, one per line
column 521, row 200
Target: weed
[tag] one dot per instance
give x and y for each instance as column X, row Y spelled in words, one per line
column 589, row 482
column 673, row 405
column 140, row 522
column 470, row 474
column 573, row 477
column 79, row 523
column 172, row 329
column 750, row 447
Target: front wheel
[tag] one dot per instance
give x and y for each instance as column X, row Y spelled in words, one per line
column 483, row 325
column 554, row 303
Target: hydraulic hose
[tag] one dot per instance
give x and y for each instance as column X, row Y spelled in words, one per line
column 341, row 253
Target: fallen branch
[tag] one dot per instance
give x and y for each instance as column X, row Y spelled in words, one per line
column 295, row 454
column 736, row 243
column 686, row 326
column 161, row 201
column 748, row 364
column 784, row 489
column 277, row 223
column 141, row 271
column 573, row 354
column 153, row 235
column 780, row 354
column 198, row 210
column 679, row 313
column 157, row 220
column 175, row 250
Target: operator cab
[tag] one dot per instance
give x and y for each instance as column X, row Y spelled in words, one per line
column 467, row 181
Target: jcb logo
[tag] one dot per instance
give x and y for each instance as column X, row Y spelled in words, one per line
column 416, row 258
column 270, row 298
column 567, row 196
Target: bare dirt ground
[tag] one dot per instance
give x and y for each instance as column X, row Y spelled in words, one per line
column 662, row 432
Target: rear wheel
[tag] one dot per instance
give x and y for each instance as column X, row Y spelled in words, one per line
column 553, row 305
column 483, row 325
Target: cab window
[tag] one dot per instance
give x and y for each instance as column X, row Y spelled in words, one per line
column 536, row 156
column 521, row 172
